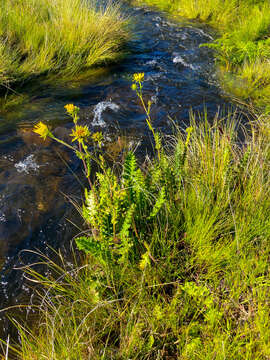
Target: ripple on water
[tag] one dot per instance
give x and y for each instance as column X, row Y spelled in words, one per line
column 178, row 59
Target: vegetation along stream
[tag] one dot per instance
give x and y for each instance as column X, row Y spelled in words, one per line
column 34, row 175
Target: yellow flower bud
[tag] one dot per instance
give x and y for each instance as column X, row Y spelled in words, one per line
column 71, row 109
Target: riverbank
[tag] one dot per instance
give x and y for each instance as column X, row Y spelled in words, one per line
column 60, row 37
column 242, row 46
column 176, row 262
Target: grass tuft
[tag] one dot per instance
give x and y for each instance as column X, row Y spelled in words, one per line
column 61, row 36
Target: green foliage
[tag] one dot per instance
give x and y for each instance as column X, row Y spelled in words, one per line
column 159, row 203
column 116, row 208
column 176, row 255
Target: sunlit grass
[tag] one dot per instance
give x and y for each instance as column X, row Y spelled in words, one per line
column 250, row 82
column 196, row 281
column 61, row 36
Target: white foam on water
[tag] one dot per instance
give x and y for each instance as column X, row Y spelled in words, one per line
column 179, row 60
column 98, row 110
column 108, row 138
column 154, row 99
column 2, row 217
column 151, row 62
column 27, row 165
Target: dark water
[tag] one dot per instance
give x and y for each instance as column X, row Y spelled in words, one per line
column 34, row 213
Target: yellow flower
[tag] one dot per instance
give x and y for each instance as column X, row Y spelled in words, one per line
column 42, row 130
column 79, row 133
column 138, row 77
column 71, row 109
column 134, row 87
column 98, row 137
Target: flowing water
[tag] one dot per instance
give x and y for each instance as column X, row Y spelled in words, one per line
column 34, row 213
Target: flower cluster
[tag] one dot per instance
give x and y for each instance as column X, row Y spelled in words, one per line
column 78, row 133
column 138, row 77
column 71, row 109
column 98, row 137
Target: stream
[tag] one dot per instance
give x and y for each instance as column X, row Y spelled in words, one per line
column 35, row 175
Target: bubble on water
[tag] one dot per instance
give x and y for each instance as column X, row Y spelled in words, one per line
column 27, row 165
column 179, row 60
column 8, row 157
column 98, row 110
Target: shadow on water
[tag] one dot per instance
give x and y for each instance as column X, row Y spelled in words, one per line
column 33, row 175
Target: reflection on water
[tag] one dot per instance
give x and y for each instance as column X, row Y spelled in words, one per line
column 35, row 174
